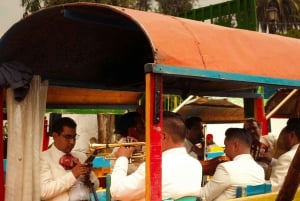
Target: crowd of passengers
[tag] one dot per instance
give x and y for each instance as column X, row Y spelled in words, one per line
column 253, row 159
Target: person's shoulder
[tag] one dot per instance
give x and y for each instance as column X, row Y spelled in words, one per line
column 46, row 152
column 236, row 162
column 289, row 155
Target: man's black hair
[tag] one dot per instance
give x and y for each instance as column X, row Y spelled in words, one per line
column 126, row 121
column 191, row 121
column 239, row 133
column 293, row 124
column 174, row 124
column 59, row 124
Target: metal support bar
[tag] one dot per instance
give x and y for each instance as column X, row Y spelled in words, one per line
column 186, row 101
column 157, row 99
column 281, row 103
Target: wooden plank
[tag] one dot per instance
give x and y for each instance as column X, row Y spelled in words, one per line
column 76, row 96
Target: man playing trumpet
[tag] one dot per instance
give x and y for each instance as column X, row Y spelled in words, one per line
column 181, row 173
column 132, row 129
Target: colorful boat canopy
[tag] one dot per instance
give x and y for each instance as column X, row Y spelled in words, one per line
column 90, row 45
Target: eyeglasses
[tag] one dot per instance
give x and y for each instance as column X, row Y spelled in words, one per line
column 70, row 137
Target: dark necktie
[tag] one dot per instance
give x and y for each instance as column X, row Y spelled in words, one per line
column 67, row 161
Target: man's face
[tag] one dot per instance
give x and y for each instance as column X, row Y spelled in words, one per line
column 65, row 142
column 209, row 141
column 287, row 139
column 138, row 132
column 196, row 133
column 230, row 148
column 254, row 129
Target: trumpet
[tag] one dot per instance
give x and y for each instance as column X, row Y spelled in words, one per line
column 106, row 146
column 136, row 157
column 140, row 156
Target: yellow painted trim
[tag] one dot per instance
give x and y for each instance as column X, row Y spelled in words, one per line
column 147, row 129
column 265, row 197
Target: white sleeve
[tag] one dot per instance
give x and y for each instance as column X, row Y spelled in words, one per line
column 279, row 171
column 216, row 185
column 125, row 187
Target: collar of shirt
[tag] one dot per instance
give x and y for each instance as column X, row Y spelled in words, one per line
column 178, row 150
column 242, row 156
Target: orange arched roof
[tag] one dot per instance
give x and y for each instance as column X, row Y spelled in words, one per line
column 105, row 47
column 194, row 44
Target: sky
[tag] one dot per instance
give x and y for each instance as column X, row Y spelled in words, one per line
column 10, row 13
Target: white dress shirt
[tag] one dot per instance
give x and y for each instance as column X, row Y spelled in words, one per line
column 188, row 145
column 280, row 168
column 132, row 166
column 241, row 171
column 181, row 176
column 55, row 181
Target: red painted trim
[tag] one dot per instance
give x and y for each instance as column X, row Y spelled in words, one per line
column 45, row 136
column 2, row 185
column 260, row 114
column 153, row 190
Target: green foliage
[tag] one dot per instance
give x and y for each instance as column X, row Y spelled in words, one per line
column 165, row 6
column 172, row 7
column 31, row 6
column 293, row 33
column 34, row 5
column 123, row 3
column 58, row 2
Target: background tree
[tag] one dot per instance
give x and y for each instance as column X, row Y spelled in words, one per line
column 293, row 33
column 287, row 11
column 34, row 5
column 171, row 7
column 30, row 6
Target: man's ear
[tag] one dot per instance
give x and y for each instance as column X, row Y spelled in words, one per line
column 54, row 135
column 132, row 132
column 293, row 136
column 236, row 144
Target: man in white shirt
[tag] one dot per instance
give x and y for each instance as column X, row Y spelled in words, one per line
column 242, row 170
column 181, row 173
column 64, row 176
column 131, row 127
column 194, row 139
column 280, row 166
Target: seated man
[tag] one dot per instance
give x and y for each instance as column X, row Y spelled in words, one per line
column 194, row 139
column 281, row 165
column 131, row 127
column 181, row 173
column 276, row 148
column 255, row 129
column 211, row 146
column 242, row 170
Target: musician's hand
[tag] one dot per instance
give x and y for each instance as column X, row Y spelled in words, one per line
column 138, row 148
column 86, row 179
column 81, row 169
column 124, row 151
column 131, row 139
column 198, row 151
column 265, row 157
